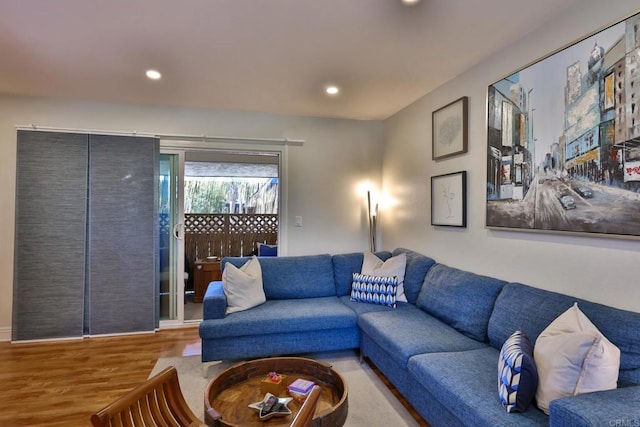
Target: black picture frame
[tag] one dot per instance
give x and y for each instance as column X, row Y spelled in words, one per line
column 449, row 133
column 449, row 199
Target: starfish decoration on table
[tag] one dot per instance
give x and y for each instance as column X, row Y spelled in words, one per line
column 280, row 409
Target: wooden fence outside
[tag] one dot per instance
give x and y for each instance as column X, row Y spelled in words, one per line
column 221, row 235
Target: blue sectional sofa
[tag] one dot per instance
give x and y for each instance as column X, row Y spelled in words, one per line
column 440, row 349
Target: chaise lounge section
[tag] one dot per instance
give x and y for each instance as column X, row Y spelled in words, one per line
column 302, row 313
column 440, row 349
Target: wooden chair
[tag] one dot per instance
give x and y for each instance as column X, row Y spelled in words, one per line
column 159, row 402
column 156, row 402
column 305, row 414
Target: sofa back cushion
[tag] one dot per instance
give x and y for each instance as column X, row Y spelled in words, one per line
column 344, row 265
column 461, row 299
column 306, row 276
column 417, row 267
column 531, row 310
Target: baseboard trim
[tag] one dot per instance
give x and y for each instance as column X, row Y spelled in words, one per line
column 119, row 334
column 170, row 324
column 5, row 335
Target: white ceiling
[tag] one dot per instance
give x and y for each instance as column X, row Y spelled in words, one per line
column 271, row 56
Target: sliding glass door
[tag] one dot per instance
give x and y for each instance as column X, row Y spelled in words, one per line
column 171, row 266
column 213, row 202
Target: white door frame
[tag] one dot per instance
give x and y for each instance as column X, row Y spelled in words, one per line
column 177, row 278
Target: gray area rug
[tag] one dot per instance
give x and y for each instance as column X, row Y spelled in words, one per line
column 371, row 403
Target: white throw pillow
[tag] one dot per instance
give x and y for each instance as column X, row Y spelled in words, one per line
column 394, row 266
column 243, row 286
column 573, row 357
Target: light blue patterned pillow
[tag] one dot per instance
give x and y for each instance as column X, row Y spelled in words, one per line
column 374, row 289
column 517, row 373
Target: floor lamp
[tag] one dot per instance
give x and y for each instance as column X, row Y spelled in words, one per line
column 373, row 213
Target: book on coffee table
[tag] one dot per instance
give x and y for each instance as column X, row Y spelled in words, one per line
column 301, row 386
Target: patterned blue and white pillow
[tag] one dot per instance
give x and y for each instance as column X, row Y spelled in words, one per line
column 517, row 373
column 374, row 289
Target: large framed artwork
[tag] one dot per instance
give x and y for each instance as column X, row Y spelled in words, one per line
column 449, row 129
column 449, row 199
column 563, row 138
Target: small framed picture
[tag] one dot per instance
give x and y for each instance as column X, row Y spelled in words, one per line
column 449, row 199
column 449, row 129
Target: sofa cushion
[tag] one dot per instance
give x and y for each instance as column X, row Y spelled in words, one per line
column 282, row 315
column 410, row 331
column 392, row 267
column 344, row 265
column 374, row 289
column 306, row 276
column 417, row 267
column 573, row 357
column 466, row 381
column 517, row 373
column 243, row 286
column 461, row 299
column 619, row 407
column 523, row 307
column 363, row 307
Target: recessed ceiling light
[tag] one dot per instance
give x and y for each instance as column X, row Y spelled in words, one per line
column 331, row 90
column 410, row 2
column 154, row 74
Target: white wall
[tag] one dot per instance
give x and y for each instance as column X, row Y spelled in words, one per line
column 599, row 269
column 323, row 175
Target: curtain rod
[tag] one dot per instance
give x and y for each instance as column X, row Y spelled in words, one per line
column 204, row 137
column 175, row 137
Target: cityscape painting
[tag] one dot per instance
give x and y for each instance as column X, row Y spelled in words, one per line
column 564, row 139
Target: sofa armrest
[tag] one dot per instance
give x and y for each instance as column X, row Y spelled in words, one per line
column 215, row 302
column 619, row 407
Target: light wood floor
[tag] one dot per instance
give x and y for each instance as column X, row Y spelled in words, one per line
column 61, row 383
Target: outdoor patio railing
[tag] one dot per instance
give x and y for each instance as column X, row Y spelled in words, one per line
column 207, row 235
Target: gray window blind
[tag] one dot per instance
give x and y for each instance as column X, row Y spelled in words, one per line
column 86, row 233
column 51, row 201
column 121, row 265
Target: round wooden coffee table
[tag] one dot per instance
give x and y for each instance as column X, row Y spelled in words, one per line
column 227, row 397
